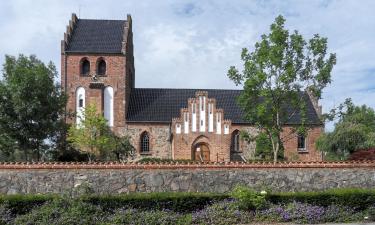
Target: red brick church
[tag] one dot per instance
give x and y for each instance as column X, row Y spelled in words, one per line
column 97, row 66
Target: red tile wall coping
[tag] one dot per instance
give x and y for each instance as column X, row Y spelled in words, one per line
column 148, row 166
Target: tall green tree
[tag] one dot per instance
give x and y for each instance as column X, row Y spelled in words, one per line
column 31, row 104
column 276, row 73
column 92, row 135
column 354, row 130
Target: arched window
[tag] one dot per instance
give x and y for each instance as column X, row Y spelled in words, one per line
column 80, row 105
column 85, row 67
column 301, row 142
column 108, row 105
column 102, row 67
column 145, row 143
column 235, row 143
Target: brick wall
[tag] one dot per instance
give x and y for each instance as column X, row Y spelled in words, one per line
column 311, row 153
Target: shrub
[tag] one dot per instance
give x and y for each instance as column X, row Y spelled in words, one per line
column 21, row 204
column 247, row 198
column 6, row 215
column 178, row 202
column 134, row 216
column 63, row 211
column 305, row 213
column 355, row 198
column 222, row 213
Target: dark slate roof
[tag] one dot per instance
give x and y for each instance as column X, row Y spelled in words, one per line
column 161, row 105
column 97, row 36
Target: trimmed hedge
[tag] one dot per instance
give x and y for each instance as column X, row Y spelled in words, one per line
column 355, row 198
column 21, row 204
column 188, row 202
column 175, row 201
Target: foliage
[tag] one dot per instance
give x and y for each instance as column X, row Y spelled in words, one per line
column 247, row 198
column 263, row 148
column 178, row 202
column 354, row 130
column 222, row 213
column 31, row 106
column 6, row 215
column 277, row 72
column 63, row 211
column 121, row 147
column 93, row 135
column 307, row 213
column 152, row 217
column 354, row 198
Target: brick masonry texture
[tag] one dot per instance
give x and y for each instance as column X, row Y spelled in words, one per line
column 111, row 178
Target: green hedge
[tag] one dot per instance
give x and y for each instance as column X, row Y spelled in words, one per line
column 176, row 201
column 21, row 204
column 188, row 202
column 357, row 198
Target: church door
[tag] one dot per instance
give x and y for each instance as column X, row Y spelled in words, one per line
column 202, row 153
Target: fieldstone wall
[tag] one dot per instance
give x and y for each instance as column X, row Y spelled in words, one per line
column 119, row 178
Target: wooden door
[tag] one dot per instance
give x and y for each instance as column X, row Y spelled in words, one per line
column 205, row 153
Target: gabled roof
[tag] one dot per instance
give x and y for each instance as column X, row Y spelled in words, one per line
column 161, row 105
column 96, row 36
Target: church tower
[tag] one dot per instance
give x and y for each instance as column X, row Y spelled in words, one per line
column 97, row 67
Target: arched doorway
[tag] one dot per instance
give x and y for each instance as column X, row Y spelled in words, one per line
column 201, row 152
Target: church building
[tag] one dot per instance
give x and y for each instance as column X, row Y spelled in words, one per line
column 97, row 66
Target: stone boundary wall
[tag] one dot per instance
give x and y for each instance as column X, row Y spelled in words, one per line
column 111, row 177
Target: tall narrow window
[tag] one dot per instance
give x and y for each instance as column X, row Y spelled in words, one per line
column 80, row 105
column 301, row 145
column 145, row 143
column 85, row 67
column 108, row 105
column 102, row 67
column 235, row 144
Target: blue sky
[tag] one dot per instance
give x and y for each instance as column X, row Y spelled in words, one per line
column 191, row 44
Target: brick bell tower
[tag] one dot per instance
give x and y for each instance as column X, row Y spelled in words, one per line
column 97, row 67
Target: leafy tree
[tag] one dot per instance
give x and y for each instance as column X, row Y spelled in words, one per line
column 122, row 148
column 354, row 130
column 93, row 135
column 31, row 105
column 276, row 74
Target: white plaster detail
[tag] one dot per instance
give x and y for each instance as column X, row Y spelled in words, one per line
column 108, row 106
column 178, row 128
column 202, row 113
column 218, row 123
column 210, row 117
column 186, row 122
column 194, row 117
column 80, row 105
column 226, row 129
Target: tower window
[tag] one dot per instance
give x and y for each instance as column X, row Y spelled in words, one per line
column 145, row 143
column 85, row 67
column 80, row 102
column 102, row 67
column 301, row 142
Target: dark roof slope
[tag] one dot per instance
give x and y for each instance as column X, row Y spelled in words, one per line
column 97, row 36
column 161, row 105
